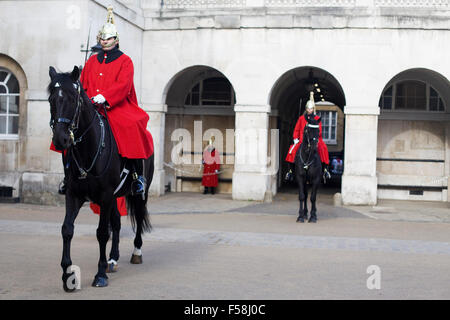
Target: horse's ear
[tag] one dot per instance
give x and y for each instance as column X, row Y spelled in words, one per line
column 75, row 73
column 52, row 72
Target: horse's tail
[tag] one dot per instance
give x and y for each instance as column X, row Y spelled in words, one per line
column 138, row 213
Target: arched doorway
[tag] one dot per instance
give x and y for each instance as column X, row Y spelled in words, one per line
column 288, row 99
column 200, row 105
column 413, row 137
column 13, row 127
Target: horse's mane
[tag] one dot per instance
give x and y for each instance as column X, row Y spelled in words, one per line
column 311, row 119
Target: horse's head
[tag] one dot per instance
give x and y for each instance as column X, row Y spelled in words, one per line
column 311, row 132
column 64, row 95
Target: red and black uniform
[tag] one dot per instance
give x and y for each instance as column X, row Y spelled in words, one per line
column 211, row 165
column 298, row 134
column 110, row 73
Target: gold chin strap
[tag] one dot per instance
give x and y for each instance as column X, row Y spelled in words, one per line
column 110, row 45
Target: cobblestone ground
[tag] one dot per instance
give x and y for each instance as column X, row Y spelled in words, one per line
column 210, row 247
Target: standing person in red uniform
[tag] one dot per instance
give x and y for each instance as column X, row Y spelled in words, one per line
column 211, row 167
column 107, row 78
column 298, row 137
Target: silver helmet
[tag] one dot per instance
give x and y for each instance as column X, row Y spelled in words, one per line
column 109, row 28
column 310, row 104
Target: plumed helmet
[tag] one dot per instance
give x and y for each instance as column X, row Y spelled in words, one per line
column 310, row 104
column 109, row 29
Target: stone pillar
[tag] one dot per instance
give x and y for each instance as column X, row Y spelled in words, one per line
column 156, row 126
column 359, row 181
column 447, row 161
column 251, row 178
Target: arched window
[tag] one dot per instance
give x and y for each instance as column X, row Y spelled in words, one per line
column 214, row 91
column 9, row 104
column 411, row 95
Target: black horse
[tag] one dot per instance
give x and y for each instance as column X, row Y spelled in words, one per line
column 94, row 171
column 308, row 168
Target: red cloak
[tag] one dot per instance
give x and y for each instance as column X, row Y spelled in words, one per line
column 211, row 163
column 298, row 134
column 114, row 80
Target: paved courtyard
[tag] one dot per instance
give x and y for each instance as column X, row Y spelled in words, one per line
column 211, row 247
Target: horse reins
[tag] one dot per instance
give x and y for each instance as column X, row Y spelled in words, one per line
column 306, row 164
column 73, row 127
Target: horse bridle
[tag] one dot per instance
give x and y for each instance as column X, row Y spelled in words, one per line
column 73, row 127
column 307, row 163
column 76, row 118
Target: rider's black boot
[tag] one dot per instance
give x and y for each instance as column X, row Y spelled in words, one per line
column 326, row 172
column 62, row 186
column 139, row 183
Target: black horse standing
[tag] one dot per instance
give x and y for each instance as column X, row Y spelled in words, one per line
column 308, row 168
column 94, row 171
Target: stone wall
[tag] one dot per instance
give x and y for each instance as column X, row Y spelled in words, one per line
column 363, row 44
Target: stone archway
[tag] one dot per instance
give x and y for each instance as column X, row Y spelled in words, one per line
column 13, row 159
column 200, row 104
column 413, row 137
column 288, row 99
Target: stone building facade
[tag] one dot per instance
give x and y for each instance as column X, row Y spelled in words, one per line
column 241, row 70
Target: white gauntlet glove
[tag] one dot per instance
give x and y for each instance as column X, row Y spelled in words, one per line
column 296, row 141
column 99, row 99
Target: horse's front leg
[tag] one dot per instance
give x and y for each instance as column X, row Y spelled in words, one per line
column 115, row 226
column 314, row 188
column 301, row 198
column 101, row 279
column 73, row 205
column 305, row 188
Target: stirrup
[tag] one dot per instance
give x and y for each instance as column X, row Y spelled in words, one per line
column 289, row 176
column 62, row 187
column 138, row 185
column 326, row 175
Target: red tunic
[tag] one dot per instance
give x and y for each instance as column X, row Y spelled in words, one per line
column 298, row 134
column 211, row 163
column 114, row 80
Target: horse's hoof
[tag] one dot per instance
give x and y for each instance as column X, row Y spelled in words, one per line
column 300, row 219
column 312, row 220
column 100, row 282
column 67, row 289
column 65, row 278
column 135, row 259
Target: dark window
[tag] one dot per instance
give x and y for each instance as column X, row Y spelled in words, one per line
column 386, row 99
column 210, row 92
column 9, row 103
column 411, row 95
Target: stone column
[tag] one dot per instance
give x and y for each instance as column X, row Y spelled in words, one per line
column 251, row 178
column 447, row 160
column 156, row 126
column 359, row 181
